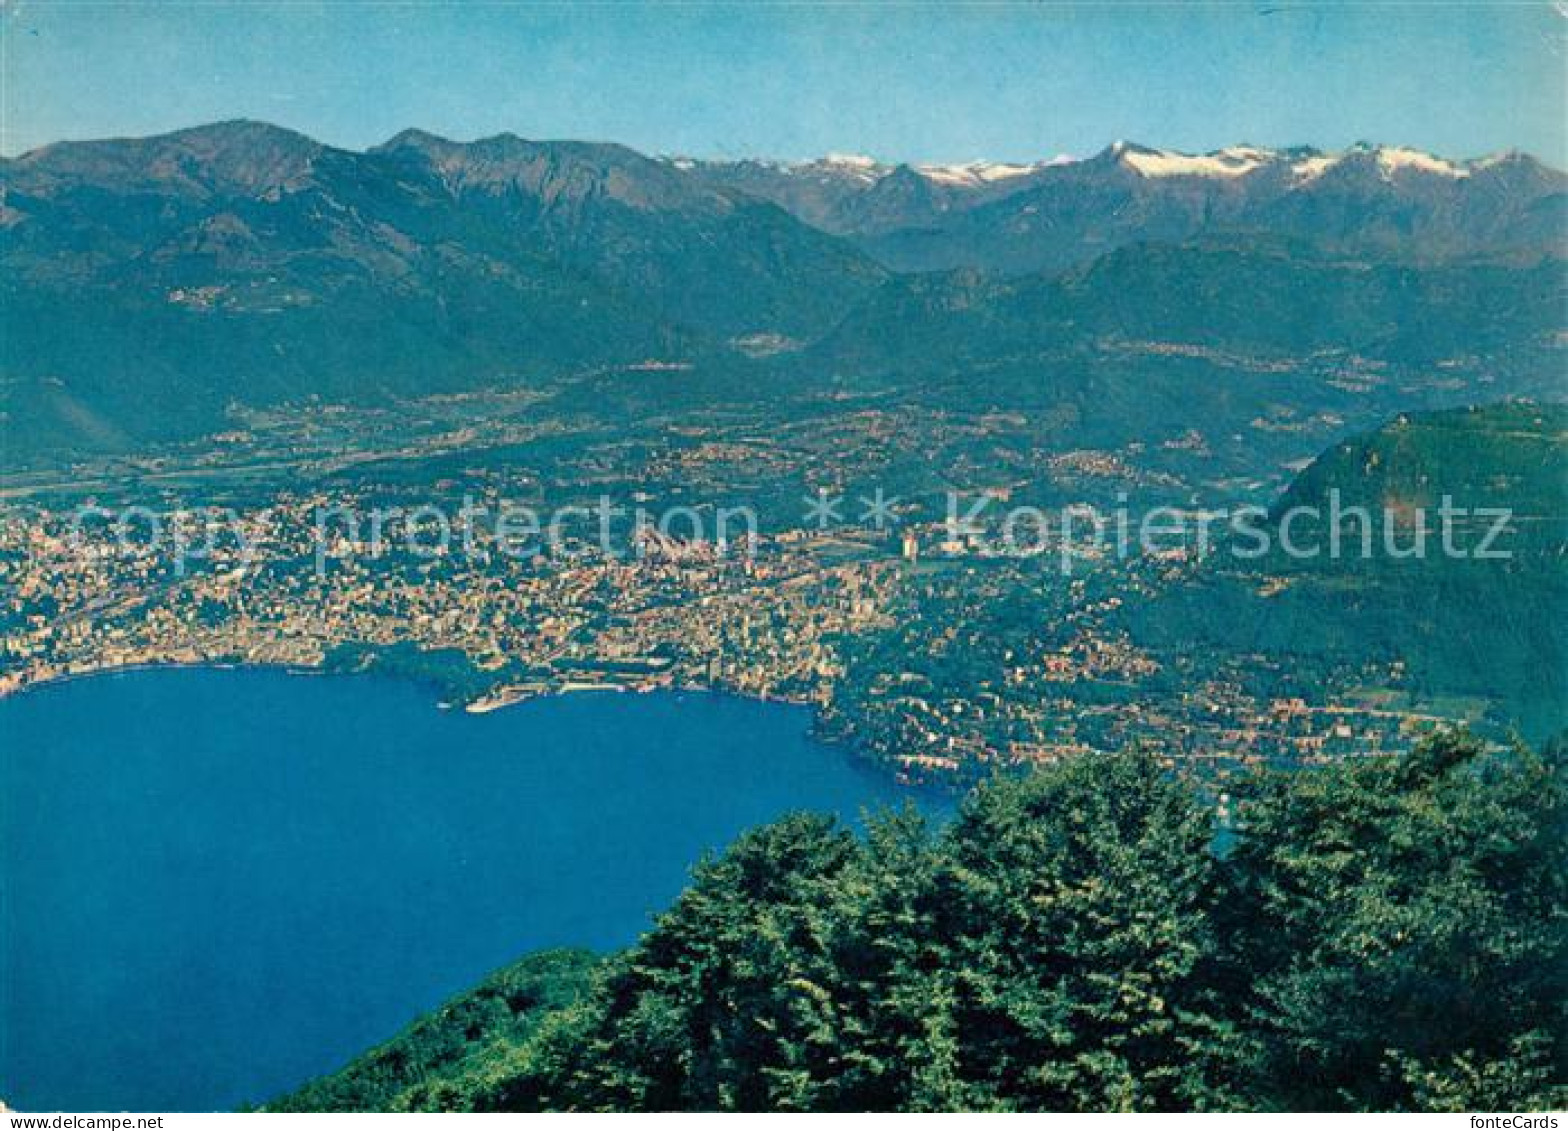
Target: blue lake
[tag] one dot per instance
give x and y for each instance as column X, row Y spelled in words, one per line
column 217, row 884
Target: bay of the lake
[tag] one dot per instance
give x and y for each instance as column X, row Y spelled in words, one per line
column 216, row 884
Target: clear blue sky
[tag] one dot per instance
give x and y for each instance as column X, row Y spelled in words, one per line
column 936, row 82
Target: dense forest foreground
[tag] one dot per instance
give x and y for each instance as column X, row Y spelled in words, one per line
column 1375, row 934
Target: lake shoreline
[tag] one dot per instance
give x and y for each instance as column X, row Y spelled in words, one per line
column 501, row 698
column 485, row 704
column 310, row 863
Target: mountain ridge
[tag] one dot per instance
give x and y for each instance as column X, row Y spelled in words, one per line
column 153, row 283
column 1040, row 215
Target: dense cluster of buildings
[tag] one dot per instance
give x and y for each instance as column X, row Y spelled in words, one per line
column 893, row 635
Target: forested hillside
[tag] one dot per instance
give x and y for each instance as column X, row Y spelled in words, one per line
column 1475, row 605
column 1369, row 935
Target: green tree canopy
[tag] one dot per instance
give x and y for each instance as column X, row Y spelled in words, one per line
column 1376, row 934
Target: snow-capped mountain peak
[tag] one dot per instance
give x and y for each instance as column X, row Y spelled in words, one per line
column 1305, row 165
column 851, row 161
column 855, row 165
column 1237, row 161
column 1394, row 160
column 976, row 173
column 1311, row 168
